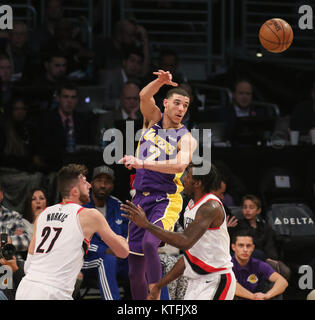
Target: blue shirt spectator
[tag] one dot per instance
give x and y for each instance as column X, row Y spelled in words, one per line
column 99, row 257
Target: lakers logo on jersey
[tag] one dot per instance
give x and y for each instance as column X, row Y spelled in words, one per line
column 158, row 141
column 252, row 278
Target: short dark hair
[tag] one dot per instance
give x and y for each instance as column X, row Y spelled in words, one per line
column 242, row 233
column 1, row 187
column 179, row 91
column 66, row 85
column 68, row 176
column 48, row 56
column 211, row 180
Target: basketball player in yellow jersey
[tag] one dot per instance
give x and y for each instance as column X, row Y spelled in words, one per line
column 61, row 236
column 164, row 151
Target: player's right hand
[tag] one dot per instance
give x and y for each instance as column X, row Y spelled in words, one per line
column 165, row 77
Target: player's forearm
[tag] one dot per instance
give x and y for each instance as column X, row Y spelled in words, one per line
column 120, row 247
column 174, row 273
column 178, row 239
column 150, row 90
column 167, row 166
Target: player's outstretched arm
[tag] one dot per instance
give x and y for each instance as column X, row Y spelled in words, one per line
column 208, row 215
column 174, row 273
column 149, row 109
column 93, row 221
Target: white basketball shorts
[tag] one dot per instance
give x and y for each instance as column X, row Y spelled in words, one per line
column 212, row 287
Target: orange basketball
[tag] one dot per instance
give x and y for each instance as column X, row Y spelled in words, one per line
column 276, row 35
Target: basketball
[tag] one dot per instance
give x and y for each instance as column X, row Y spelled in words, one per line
column 276, row 35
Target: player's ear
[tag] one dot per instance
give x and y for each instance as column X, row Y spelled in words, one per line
column 75, row 191
column 165, row 103
column 233, row 246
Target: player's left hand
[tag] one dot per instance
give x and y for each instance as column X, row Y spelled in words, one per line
column 135, row 214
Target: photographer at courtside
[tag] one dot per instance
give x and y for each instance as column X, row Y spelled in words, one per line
column 9, row 277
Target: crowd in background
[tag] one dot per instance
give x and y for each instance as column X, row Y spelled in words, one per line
column 43, row 124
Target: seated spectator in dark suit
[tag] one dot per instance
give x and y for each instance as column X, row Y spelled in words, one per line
column 129, row 110
column 241, row 111
column 303, row 115
column 56, row 124
column 254, row 276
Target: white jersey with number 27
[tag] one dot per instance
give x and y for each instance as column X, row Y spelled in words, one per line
column 58, row 254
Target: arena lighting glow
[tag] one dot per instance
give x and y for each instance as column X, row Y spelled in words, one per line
column 259, row 53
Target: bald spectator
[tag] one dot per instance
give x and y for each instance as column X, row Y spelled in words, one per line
column 129, row 103
column 129, row 110
column 240, row 111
